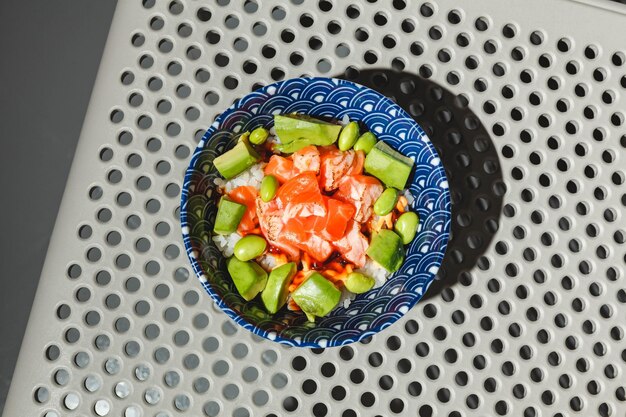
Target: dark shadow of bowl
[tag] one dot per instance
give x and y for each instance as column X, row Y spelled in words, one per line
column 470, row 160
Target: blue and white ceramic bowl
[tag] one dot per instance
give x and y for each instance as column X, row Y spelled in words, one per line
column 371, row 312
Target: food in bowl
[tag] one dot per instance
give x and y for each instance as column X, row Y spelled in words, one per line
column 356, row 317
column 312, row 213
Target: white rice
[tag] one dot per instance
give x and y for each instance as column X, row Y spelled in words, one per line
column 409, row 197
column 267, row 261
column 226, row 243
column 372, row 269
column 272, row 138
column 252, row 176
column 346, row 298
column 345, row 120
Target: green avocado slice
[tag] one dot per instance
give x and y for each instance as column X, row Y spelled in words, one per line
column 295, row 132
column 316, row 296
column 388, row 165
column 249, row 277
column 235, row 161
column 274, row 295
column 386, row 249
column 229, row 214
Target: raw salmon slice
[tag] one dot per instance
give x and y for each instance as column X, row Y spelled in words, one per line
column 301, row 197
column 335, row 165
column 295, row 232
column 357, row 164
column 306, row 159
column 271, row 224
column 362, row 191
column 333, row 225
column 353, row 245
column 281, row 168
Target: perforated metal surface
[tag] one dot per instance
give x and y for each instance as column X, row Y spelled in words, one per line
column 530, row 318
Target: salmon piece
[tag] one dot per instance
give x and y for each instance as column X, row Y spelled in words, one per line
column 269, row 218
column 300, row 227
column 296, row 234
column 335, row 165
column 361, row 191
column 318, row 248
column 306, row 159
column 281, row 168
column 357, row 165
column 301, row 197
column 353, row 245
column 302, row 184
column 333, row 226
column 246, row 195
column 270, row 221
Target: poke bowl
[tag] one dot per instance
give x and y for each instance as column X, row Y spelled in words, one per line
column 426, row 193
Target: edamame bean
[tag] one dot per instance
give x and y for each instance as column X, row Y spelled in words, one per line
column 406, row 226
column 349, row 134
column 269, row 186
column 249, row 247
column 259, row 136
column 386, row 202
column 359, row 283
column 366, row 142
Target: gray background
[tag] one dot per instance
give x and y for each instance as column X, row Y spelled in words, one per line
column 50, row 55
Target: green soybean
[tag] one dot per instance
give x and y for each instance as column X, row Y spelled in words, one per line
column 249, row 247
column 269, row 186
column 366, row 142
column 358, row 283
column 406, row 226
column 259, row 136
column 386, row 202
column 348, row 136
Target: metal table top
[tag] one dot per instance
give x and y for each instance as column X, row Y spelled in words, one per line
column 525, row 103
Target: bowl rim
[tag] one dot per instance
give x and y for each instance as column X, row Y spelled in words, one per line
column 200, row 273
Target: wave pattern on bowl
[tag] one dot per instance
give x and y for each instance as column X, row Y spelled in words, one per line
column 368, row 313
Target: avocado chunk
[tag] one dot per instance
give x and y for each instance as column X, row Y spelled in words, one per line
column 316, row 296
column 229, row 214
column 235, row 161
column 388, row 165
column 274, row 295
column 296, row 131
column 387, row 250
column 249, row 277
